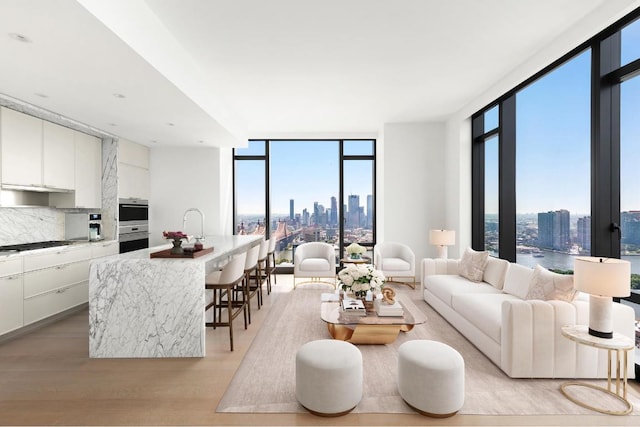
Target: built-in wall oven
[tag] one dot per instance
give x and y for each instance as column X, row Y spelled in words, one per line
column 133, row 228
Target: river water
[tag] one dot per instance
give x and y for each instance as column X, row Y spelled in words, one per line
column 563, row 261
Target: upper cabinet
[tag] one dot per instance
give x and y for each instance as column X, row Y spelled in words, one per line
column 58, row 154
column 88, row 171
column 38, row 155
column 133, row 170
column 88, row 175
column 21, row 137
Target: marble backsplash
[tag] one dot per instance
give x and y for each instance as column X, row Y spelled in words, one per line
column 26, row 225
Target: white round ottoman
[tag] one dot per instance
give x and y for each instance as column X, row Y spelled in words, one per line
column 329, row 377
column 431, row 377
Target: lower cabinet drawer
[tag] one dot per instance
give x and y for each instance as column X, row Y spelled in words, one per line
column 45, row 305
column 49, row 279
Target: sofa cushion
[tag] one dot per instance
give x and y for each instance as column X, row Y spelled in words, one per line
column 495, row 271
column 444, row 286
column 517, row 279
column 547, row 285
column 395, row 264
column 472, row 264
column 314, row 264
column 484, row 311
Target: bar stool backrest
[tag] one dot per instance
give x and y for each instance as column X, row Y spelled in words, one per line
column 272, row 245
column 264, row 247
column 252, row 258
column 234, row 269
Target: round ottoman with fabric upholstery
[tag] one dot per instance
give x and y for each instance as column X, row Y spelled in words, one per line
column 431, row 377
column 329, row 377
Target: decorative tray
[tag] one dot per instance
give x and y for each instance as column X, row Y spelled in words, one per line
column 167, row 254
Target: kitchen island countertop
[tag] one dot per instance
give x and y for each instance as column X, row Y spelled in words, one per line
column 154, row 307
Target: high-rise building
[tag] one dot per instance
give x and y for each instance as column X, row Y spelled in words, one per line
column 333, row 220
column 291, row 211
column 316, row 214
column 584, row 234
column 554, row 230
column 353, row 220
column 630, row 227
column 305, row 217
column 369, row 211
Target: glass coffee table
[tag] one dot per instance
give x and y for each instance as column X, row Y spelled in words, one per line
column 370, row 329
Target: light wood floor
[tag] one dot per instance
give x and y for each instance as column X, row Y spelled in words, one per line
column 47, row 378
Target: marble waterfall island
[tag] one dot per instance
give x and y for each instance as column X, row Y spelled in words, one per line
column 154, row 307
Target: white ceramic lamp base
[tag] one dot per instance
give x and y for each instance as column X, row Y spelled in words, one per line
column 442, row 251
column 600, row 316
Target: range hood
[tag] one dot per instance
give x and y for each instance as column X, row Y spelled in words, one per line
column 22, row 198
column 34, row 188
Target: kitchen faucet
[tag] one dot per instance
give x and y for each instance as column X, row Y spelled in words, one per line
column 184, row 222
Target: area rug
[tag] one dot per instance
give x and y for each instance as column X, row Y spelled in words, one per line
column 265, row 380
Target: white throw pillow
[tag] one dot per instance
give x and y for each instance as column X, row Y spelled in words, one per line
column 472, row 265
column 547, row 285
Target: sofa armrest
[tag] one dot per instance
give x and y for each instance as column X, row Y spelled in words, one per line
column 532, row 344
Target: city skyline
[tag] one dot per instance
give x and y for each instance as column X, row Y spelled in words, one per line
column 307, row 171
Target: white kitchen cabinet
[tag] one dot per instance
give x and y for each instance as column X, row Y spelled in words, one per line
column 54, row 278
column 58, row 256
column 21, row 137
column 133, row 182
column 11, row 307
column 55, row 281
column 88, row 171
column 58, row 156
column 48, row 304
column 111, row 247
column 133, row 170
column 88, row 175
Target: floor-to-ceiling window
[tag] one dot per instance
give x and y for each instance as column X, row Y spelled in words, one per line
column 299, row 191
column 568, row 159
column 553, row 179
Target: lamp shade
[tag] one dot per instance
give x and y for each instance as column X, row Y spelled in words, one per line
column 442, row 237
column 607, row 277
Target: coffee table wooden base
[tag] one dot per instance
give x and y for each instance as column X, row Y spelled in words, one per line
column 367, row 334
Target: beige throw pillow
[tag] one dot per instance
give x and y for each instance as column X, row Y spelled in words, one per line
column 547, row 285
column 472, row 265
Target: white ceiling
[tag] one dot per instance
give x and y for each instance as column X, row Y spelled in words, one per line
column 223, row 70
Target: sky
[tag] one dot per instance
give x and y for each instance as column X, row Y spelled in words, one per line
column 307, row 172
column 553, row 139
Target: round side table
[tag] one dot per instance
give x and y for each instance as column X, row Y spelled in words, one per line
column 620, row 344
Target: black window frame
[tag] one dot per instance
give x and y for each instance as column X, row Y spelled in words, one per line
column 342, row 158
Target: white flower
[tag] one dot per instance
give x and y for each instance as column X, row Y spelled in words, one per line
column 361, row 278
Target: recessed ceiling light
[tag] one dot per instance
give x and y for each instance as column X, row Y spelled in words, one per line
column 112, row 124
column 119, row 95
column 153, row 141
column 201, row 142
column 170, row 124
column 41, row 95
column 20, row 37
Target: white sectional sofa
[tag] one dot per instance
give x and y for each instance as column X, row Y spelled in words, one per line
column 522, row 337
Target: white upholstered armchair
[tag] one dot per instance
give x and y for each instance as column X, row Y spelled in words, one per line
column 315, row 260
column 396, row 261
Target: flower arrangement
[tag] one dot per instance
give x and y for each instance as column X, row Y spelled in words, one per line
column 175, row 235
column 360, row 278
column 355, row 251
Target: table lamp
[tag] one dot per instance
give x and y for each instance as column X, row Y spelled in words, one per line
column 442, row 239
column 602, row 278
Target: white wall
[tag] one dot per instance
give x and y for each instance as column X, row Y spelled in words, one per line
column 411, row 190
column 183, row 178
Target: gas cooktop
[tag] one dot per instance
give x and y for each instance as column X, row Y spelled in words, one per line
column 36, row 245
